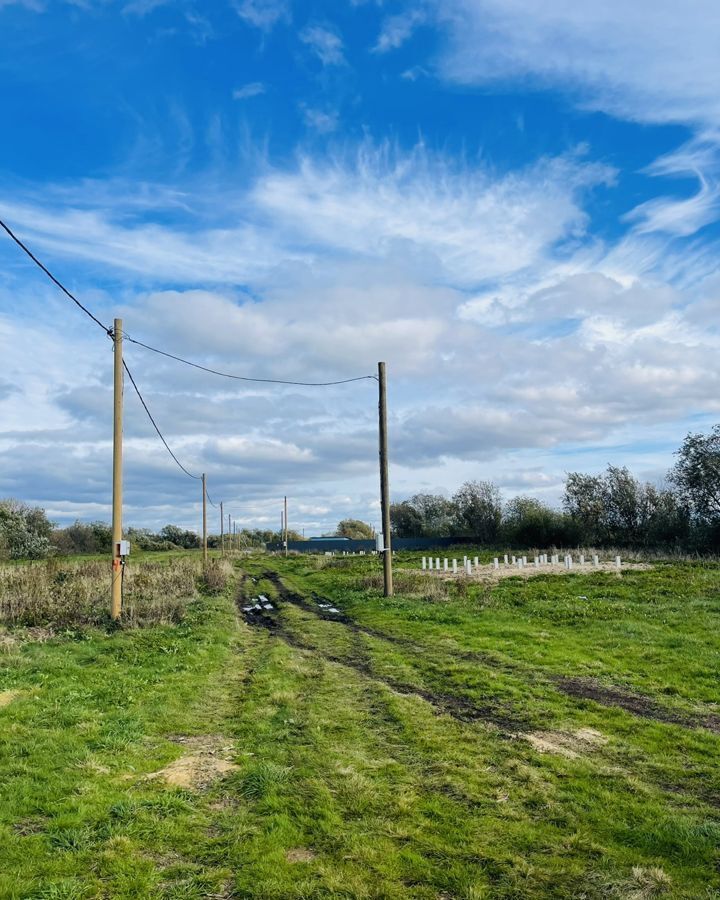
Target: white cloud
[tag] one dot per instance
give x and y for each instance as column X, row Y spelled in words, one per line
column 322, row 121
column 649, row 60
column 395, row 30
column 700, row 158
column 510, row 334
column 470, row 225
column 263, row 14
column 252, row 89
column 325, row 43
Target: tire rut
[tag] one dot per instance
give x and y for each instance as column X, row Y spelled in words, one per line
column 578, row 688
column 448, row 704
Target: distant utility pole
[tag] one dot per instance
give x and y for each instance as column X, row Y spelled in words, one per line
column 385, row 481
column 286, row 529
column 222, row 530
column 204, row 539
column 117, row 563
column 229, row 534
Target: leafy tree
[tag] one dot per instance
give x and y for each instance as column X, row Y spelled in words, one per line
column 696, row 475
column 437, row 514
column 478, row 510
column 83, row 537
column 584, row 502
column 24, row 531
column 528, row 522
column 615, row 508
column 405, row 520
column 354, row 529
column 188, row 540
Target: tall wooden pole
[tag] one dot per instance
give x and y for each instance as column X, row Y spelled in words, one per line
column 385, row 481
column 222, row 530
column 204, row 539
column 117, row 564
column 286, row 527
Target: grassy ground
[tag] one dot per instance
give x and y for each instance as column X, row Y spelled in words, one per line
column 550, row 737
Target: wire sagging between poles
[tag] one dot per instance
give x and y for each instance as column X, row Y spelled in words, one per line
column 195, row 365
column 155, row 425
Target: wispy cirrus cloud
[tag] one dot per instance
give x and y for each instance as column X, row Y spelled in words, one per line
column 396, row 30
column 263, row 14
column 699, row 158
column 251, row 89
column 645, row 60
column 325, row 43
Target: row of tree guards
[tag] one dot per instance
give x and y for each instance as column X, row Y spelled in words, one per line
column 121, row 547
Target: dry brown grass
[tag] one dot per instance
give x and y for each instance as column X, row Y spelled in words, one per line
column 217, row 575
column 410, row 583
column 77, row 593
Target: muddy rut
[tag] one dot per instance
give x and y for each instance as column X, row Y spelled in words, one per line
column 499, row 715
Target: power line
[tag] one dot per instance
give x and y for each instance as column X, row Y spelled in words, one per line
column 188, row 362
column 155, row 425
column 52, row 278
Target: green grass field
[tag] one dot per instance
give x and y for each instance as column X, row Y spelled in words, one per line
column 551, row 737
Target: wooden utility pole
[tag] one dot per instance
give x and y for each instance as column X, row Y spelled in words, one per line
column 117, row 563
column 286, row 528
column 222, row 530
column 204, row 539
column 385, row 481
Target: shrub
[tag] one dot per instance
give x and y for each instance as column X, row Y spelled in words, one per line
column 216, row 576
column 24, row 531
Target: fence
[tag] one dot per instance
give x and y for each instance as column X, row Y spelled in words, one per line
column 355, row 546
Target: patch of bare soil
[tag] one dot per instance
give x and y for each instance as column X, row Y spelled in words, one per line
column 638, row 704
column 299, row 855
column 7, row 697
column 571, row 744
column 206, row 761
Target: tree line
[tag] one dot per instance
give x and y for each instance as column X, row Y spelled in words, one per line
column 612, row 508
column 27, row 533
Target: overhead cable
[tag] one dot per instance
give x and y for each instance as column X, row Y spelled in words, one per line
column 155, row 425
column 195, row 365
column 52, row 278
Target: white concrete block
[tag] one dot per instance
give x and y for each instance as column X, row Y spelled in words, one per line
column 430, row 563
column 477, row 562
column 454, row 567
column 582, row 559
column 596, row 559
column 617, row 562
column 524, row 559
column 424, row 563
column 445, row 565
column 496, row 563
column 437, row 563
column 506, row 559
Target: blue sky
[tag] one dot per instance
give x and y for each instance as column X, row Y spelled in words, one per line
column 515, row 204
